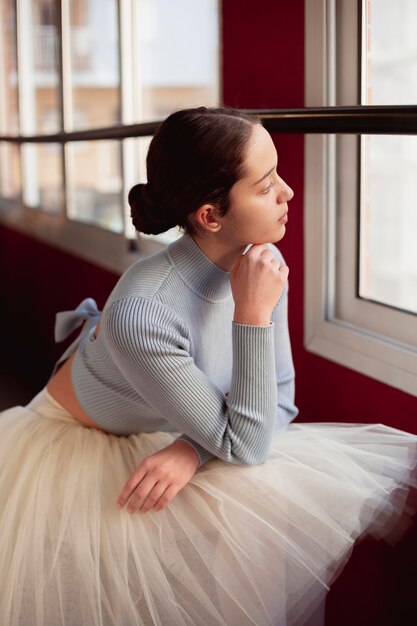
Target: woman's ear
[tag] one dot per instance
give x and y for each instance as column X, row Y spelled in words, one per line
column 207, row 218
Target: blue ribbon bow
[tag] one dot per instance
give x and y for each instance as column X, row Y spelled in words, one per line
column 67, row 321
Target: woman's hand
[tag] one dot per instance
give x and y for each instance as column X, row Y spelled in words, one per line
column 257, row 280
column 159, row 478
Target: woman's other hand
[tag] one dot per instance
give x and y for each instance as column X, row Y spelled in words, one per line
column 257, row 280
column 159, row 478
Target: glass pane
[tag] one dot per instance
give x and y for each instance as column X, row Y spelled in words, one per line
column 388, row 259
column 388, row 216
column 94, row 168
column 40, row 103
column 169, row 75
column 9, row 107
column 95, row 76
column 51, row 189
column 94, row 183
column 389, row 66
column 10, row 179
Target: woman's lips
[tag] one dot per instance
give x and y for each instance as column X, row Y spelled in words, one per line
column 284, row 219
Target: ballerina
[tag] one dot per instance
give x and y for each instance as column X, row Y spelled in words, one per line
column 160, row 478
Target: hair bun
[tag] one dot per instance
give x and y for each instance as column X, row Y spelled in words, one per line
column 148, row 216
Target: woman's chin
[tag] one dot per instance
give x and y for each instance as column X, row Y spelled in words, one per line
column 280, row 234
column 272, row 237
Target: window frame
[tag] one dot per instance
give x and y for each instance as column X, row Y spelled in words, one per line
column 367, row 337
column 112, row 250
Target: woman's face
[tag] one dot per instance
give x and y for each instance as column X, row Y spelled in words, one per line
column 258, row 202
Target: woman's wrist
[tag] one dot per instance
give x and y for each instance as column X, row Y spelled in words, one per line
column 186, row 449
column 252, row 318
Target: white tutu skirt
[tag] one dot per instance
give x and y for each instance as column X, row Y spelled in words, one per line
column 237, row 546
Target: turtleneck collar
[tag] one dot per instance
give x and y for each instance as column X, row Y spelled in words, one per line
column 201, row 274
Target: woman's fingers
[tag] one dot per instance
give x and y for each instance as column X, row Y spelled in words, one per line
column 150, row 495
column 160, row 496
column 154, row 497
column 159, row 477
column 141, row 492
column 167, row 497
column 145, row 493
column 130, row 486
column 285, row 270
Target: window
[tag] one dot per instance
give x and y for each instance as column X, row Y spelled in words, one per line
column 360, row 194
column 388, row 216
column 85, row 64
column 92, row 89
column 39, row 90
column 10, row 177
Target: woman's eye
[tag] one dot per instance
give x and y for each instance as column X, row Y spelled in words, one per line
column 267, row 189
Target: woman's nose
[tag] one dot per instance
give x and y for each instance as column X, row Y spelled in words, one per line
column 285, row 192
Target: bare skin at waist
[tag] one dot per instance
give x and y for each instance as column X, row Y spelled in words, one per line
column 61, row 389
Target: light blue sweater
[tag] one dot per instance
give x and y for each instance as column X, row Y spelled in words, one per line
column 169, row 357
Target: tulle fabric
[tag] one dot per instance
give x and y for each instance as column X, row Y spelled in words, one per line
column 238, row 546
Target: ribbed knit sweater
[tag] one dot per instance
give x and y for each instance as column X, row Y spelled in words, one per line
column 169, row 357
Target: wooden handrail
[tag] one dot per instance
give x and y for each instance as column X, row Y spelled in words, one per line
column 367, row 120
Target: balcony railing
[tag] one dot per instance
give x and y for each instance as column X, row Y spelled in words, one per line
column 369, row 120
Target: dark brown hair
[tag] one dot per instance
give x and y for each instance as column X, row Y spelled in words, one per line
column 195, row 157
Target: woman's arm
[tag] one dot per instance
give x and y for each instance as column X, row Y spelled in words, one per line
column 286, row 410
column 159, row 478
column 155, row 358
column 160, row 368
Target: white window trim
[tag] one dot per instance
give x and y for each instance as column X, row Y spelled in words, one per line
column 385, row 358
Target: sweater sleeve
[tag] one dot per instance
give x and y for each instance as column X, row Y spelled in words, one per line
column 286, row 410
column 151, row 347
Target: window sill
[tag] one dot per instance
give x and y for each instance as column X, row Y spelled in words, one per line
column 390, row 362
column 95, row 245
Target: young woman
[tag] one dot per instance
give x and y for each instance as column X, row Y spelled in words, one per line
column 177, row 402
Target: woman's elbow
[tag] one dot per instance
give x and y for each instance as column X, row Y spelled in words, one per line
column 252, row 457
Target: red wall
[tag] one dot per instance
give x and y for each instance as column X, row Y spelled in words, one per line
column 36, row 281
column 263, row 67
